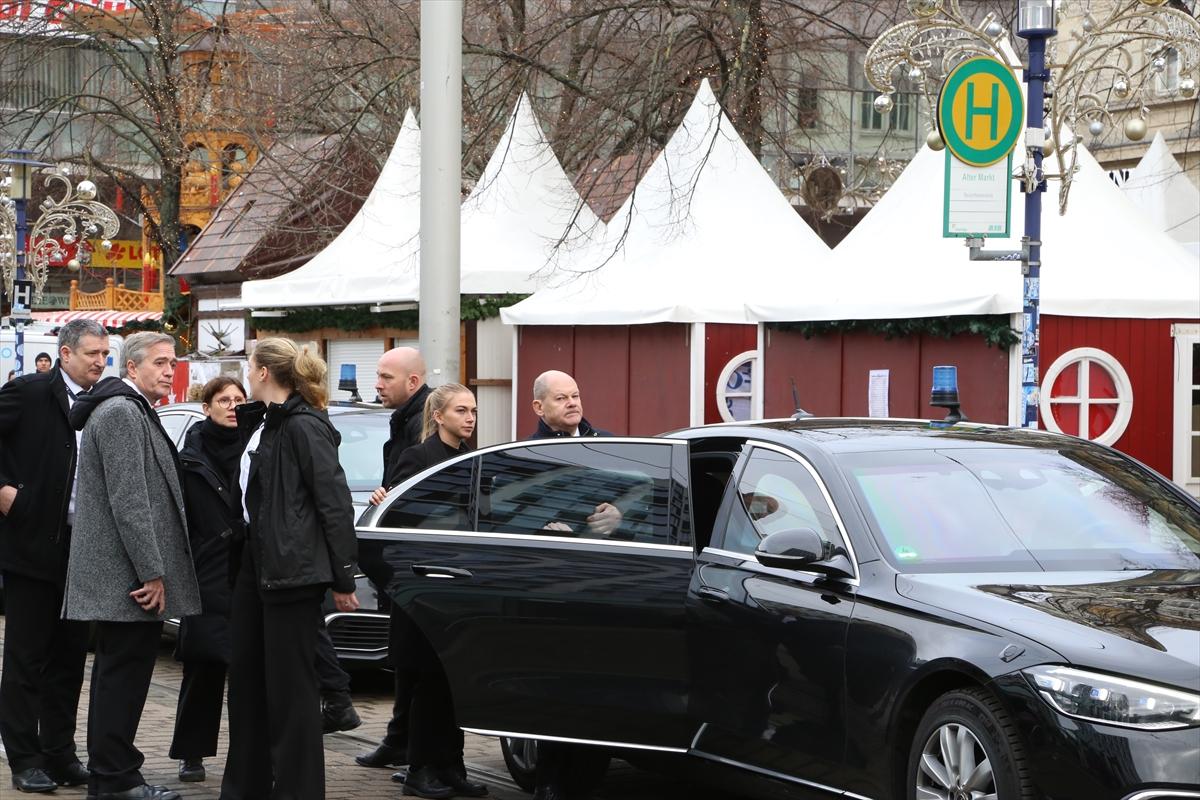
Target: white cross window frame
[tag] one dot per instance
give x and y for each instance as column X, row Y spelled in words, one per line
column 1084, row 357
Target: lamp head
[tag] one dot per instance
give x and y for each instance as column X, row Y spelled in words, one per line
column 21, row 166
column 1036, row 18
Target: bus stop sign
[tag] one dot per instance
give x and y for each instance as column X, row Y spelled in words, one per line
column 981, row 111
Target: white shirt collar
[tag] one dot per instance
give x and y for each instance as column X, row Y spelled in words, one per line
column 72, row 387
column 134, row 386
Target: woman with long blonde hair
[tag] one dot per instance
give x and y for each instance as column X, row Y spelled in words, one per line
column 435, row 745
column 300, row 542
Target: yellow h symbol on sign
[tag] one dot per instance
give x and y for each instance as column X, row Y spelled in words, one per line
column 992, row 112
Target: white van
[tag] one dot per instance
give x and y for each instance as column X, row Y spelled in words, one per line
column 38, row 339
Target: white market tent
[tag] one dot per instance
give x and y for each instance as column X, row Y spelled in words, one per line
column 704, row 224
column 1161, row 189
column 1103, row 258
column 522, row 217
column 369, row 261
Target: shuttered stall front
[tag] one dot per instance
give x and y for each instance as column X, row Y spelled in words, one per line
column 364, row 355
column 493, row 381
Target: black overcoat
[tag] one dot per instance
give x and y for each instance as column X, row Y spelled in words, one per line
column 37, row 457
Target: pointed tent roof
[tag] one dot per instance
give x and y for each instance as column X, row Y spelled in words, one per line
column 705, row 220
column 1159, row 187
column 1101, row 259
column 524, row 214
column 367, row 261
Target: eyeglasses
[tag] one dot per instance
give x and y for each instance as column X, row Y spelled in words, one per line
column 229, row 402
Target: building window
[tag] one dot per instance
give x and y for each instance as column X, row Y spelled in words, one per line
column 900, row 118
column 1167, row 81
column 1087, row 393
column 735, row 388
column 808, row 112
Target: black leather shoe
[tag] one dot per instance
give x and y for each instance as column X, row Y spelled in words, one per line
column 383, row 757
column 34, row 780
column 462, row 786
column 339, row 717
column 71, row 774
column 191, row 770
column 424, row 782
column 143, row 792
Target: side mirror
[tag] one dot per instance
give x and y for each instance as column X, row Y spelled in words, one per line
column 803, row 549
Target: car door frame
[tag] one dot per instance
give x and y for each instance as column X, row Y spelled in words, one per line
column 664, row 724
column 716, row 745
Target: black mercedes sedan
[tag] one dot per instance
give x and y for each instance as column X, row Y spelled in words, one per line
column 863, row 608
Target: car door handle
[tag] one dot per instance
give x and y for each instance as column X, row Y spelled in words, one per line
column 710, row 595
column 445, row 573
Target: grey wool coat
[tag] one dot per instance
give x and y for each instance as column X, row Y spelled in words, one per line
column 129, row 515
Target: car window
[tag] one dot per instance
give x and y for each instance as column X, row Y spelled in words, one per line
column 776, row 492
column 440, row 502
column 1022, row 509
column 175, row 424
column 361, row 450
column 556, row 489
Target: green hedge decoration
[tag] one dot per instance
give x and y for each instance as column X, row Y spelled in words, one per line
column 359, row 318
column 994, row 328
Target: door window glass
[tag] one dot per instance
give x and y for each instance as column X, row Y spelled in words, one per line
column 441, row 502
column 590, row 488
column 776, row 493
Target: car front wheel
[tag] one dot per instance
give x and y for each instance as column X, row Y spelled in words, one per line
column 966, row 748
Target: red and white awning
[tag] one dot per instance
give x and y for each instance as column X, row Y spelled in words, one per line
column 109, row 319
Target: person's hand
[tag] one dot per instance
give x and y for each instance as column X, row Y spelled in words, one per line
column 8, row 496
column 605, row 520
column 346, row 602
column 152, row 596
column 558, row 527
column 378, row 496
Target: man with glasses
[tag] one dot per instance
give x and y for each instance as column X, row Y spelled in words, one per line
column 43, row 654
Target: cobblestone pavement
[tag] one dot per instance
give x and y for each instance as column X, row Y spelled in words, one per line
column 344, row 780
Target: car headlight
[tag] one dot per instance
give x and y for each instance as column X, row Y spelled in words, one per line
column 1114, row 701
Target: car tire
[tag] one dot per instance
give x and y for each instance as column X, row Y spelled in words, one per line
column 520, row 756
column 967, row 743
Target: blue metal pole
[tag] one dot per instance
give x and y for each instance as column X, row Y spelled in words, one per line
column 19, row 325
column 1035, row 76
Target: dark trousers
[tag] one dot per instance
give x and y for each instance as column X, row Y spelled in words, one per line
column 198, row 714
column 275, row 749
column 399, row 630
column 121, row 672
column 43, row 671
column 334, row 681
column 434, row 738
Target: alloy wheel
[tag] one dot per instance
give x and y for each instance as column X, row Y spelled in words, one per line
column 954, row 766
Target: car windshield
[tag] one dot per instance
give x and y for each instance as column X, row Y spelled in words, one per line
column 974, row 510
column 361, row 451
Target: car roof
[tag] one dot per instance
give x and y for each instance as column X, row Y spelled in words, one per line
column 862, row 434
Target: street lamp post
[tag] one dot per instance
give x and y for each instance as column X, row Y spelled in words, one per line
column 1110, row 66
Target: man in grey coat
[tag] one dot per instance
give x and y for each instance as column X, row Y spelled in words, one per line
column 130, row 565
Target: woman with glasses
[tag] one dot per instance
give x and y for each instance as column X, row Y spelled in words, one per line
column 209, row 458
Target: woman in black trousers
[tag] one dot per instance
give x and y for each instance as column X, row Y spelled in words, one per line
column 300, row 542
column 435, row 742
column 209, row 457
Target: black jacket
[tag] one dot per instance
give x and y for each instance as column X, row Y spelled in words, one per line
column 424, row 455
column 405, row 432
column 37, row 457
column 544, row 431
column 301, row 515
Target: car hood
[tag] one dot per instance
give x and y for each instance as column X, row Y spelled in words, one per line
column 1144, row 624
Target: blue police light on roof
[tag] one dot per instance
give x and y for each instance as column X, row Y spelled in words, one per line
column 348, row 381
column 945, row 392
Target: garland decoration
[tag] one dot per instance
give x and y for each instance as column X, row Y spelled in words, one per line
column 994, row 328
column 359, row 318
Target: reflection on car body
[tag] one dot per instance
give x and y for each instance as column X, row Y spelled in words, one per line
column 843, row 606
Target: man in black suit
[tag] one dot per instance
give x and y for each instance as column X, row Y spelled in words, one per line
column 400, row 384
column 43, row 654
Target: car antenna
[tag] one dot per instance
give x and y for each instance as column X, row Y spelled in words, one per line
column 799, row 413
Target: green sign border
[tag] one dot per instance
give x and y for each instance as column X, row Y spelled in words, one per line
column 946, row 234
column 954, row 143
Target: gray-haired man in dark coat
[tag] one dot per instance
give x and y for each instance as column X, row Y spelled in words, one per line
column 130, row 565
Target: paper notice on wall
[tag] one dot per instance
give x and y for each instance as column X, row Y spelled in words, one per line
column 877, row 393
